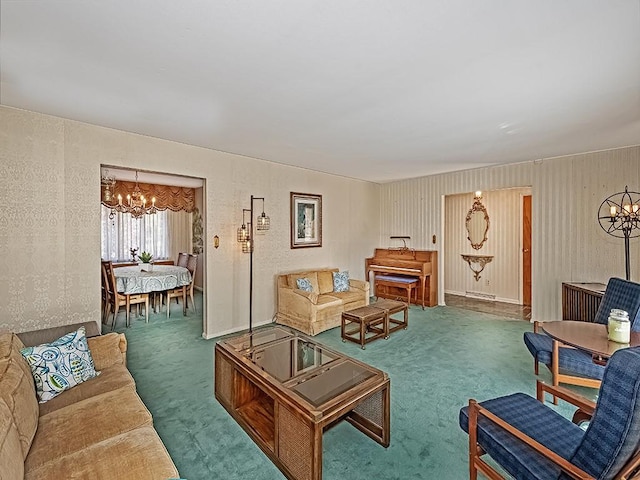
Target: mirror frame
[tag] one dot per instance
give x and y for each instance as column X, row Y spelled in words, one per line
column 477, row 207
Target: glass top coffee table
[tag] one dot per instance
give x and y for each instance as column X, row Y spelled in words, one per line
column 285, row 389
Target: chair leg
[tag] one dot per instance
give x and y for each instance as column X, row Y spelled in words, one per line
column 168, row 305
column 146, row 310
column 113, row 321
column 193, row 304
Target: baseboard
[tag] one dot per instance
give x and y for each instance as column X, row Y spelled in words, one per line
column 236, row 330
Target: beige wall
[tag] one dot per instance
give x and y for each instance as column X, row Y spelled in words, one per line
column 49, row 223
column 501, row 279
column 568, row 243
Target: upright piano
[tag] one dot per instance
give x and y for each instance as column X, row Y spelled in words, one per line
column 406, row 262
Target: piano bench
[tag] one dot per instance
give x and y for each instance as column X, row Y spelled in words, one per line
column 408, row 283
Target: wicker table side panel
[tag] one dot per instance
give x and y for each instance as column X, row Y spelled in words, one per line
column 372, row 408
column 224, row 379
column 295, row 448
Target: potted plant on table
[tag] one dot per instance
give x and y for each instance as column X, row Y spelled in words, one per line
column 145, row 258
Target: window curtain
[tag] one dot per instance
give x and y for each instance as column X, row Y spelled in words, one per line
column 122, row 232
column 179, row 232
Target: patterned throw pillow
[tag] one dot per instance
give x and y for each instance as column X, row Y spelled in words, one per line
column 304, row 284
column 341, row 281
column 60, row 365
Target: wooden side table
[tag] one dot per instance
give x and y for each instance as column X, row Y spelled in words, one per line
column 580, row 301
column 369, row 320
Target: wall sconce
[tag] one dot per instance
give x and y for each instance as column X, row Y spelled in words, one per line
column 216, row 241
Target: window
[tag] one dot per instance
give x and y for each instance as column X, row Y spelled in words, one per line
column 149, row 233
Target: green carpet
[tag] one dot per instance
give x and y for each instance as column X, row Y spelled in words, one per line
column 445, row 357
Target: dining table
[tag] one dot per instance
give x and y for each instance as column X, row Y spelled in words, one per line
column 138, row 279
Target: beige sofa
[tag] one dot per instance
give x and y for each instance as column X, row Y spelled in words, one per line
column 99, row 429
column 321, row 309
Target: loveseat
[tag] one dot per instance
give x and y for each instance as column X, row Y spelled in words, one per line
column 320, row 308
column 98, row 429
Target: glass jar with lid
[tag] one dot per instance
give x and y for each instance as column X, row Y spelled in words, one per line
column 619, row 327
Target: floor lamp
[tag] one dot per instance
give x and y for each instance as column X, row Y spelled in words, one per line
column 619, row 216
column 246, row 237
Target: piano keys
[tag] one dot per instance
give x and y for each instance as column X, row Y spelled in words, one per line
column 421, row 264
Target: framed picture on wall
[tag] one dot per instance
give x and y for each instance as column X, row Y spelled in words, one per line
column 306, row 220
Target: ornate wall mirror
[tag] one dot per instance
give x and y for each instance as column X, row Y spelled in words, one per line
column 477, row 223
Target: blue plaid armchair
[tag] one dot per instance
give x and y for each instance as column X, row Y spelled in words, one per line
column 619, row 293
column 531, row 441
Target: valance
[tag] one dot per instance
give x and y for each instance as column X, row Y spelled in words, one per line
column 167, row 197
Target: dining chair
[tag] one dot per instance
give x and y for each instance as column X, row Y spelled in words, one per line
column 532, row 441
column 106, row 294
column 192, row 263
column 183, row 258
column 118, row 299
column 576, row 365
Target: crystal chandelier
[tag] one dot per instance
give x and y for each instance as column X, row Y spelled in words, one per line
column 136, row 204
column 107, row 182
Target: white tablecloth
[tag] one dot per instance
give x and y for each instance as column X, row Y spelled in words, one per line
column 131, row 280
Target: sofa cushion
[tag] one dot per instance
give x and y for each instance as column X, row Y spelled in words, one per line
column 110, row 378
column 341, row 281
column 349, row 297
column 311, row 276
column 88, row 422
column 107, row 350
column 61, row 364
column 304, row 284
column 136, row 455
column 325, row 281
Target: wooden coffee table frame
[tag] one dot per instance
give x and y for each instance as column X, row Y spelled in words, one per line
column 367, row 320
column 286, row 427
column 392, row 307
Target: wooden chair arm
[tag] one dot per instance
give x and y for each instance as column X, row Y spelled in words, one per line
column 476, row 409
column 584, row 404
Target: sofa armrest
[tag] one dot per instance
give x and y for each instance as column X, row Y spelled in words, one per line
column 359, row 285
column 108, row 350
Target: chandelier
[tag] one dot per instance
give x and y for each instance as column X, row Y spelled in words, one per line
column 107, row 181
column 136, row 204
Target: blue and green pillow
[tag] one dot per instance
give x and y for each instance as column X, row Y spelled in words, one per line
column 304, row 284
column 60, row 365
column 341, row 281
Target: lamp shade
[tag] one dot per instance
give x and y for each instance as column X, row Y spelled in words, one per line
column 263, row 222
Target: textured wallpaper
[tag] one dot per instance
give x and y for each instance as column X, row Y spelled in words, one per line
column 50, row 226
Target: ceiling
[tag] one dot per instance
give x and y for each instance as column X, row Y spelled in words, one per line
column 378, row 90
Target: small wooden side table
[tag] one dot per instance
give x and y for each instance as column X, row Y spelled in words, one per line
column 391, row 307
column 369, row 320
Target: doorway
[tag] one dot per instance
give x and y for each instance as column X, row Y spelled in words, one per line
column 499, row 287
column 526, row 250
column 177, row 227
